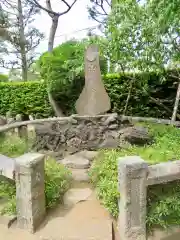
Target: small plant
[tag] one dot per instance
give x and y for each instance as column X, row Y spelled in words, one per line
column 163, row 200
column 104, row 177
column 57, row 182
column 13, row 146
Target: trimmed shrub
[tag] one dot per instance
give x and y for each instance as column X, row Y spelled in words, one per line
column 31, row 97
column 24, row 98
column 164, row 199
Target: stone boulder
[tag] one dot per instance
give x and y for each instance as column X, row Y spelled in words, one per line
column 136, row 135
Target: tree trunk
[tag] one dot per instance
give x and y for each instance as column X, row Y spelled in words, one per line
column 52, row 33
column 176, row 104
column 54, row 25
column 54, row 105
column 128, row 97
column 22, row 41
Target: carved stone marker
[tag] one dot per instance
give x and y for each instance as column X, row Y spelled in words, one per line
column 94, row 99
column 30, row 191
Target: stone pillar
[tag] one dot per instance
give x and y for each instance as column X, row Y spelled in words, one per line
column 132, row 171
column 30, row 191
column 9, row 120
column 21, row 131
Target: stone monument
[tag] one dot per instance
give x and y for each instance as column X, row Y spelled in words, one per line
column 94, row 99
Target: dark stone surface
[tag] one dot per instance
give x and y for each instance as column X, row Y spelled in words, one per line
column 136, row 135
column 86, row 133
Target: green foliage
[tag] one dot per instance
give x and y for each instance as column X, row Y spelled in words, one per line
column 31, row 97
column 3, row 78
column 57, row 182
column 13, row 146
column 57, row 177
column 98, row 11
column 144, row 36
column 66, row 62
column 24, row 98
column 140, row 103
column 14, row 47
column 163, row 205
column 163, row 200
column 63, row 71
column 104, row 177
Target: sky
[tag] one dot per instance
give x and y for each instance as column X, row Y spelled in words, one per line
column 69, row 24
column 76, row 19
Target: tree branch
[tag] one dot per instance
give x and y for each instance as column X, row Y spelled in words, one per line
column 49, row 10
column 66, row 3
column 108, row 3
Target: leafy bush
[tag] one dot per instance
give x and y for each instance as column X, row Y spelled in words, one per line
column 63, row 70
column 57, row 178
column 24, row 98
column 163, row 200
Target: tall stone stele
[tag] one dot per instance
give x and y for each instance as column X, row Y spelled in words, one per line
column 94, row 99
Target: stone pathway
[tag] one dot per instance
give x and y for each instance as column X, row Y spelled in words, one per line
column 79, row 164
column 81, row 217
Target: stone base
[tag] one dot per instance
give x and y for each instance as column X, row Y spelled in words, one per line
column 79, row 133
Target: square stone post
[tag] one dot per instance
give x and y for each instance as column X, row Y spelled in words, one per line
column 132, row 174
column 30, row 191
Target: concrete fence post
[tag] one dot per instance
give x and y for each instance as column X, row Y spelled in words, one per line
column 30, row 191
column 132, row 174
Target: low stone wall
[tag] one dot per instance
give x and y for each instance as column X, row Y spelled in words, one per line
column 134, row 177
column 28, row 173
column 79, row 133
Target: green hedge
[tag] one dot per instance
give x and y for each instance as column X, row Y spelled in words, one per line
column 31, row 97
column 25, row 98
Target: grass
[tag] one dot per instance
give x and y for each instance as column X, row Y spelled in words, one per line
column 57, row 177
column 13, row 146
column 163, row 200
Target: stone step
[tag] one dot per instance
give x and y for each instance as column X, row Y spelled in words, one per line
column 76, row 162
column 75, row 195
column 80, row 175
column 90, row 155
